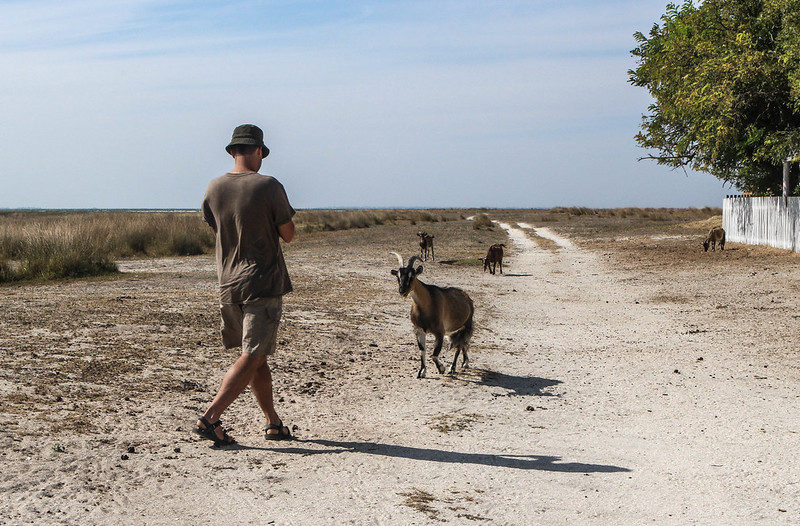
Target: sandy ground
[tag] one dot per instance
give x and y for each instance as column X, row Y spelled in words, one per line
column 601, row 392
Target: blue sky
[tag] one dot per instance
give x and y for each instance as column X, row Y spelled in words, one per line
column 434, row 103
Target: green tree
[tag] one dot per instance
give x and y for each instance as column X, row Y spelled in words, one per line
column 725, row 79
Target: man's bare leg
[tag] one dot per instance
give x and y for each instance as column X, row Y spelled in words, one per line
column 261, row 384
column 238, row 376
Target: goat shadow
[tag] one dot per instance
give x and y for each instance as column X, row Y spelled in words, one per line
column 517, row 385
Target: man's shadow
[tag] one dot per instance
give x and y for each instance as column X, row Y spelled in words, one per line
column 517, row 385
column 526, row 462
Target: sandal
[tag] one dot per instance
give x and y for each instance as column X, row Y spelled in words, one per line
column 209, row 433
column 280, row 435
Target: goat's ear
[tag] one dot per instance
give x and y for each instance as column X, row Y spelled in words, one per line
column 418, row 271
column 394, row 272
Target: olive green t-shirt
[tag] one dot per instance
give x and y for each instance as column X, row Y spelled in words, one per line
column 245, row 211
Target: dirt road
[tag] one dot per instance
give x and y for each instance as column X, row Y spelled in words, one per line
column 600, row 393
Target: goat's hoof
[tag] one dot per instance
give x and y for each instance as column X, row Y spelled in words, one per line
column 421, row 374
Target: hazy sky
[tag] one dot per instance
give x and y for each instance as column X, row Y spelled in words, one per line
column 430, row 103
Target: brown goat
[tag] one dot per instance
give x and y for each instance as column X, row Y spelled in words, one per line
column 426, row 246
column 493, row 256
column 715, row 235
column 441, row 311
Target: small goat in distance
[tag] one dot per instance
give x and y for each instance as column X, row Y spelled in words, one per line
column 441, row 311
column 426, row 246
column 493, row 256
column 715, row 235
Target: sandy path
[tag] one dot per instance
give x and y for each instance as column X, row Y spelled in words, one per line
column 687, row 421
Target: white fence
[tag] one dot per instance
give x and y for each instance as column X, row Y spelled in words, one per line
column 769, row 221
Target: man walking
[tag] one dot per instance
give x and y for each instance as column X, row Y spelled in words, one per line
column 249, row 214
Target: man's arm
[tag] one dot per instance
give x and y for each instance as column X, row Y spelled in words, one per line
column 286, row 231
column 208, row 216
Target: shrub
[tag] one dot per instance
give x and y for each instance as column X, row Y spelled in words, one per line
column 188, row 244
column 63, row 253
column 482, row 221
column 136, row 242
column 6, row 272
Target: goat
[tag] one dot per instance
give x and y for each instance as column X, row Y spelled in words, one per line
column 493, row 256
column 441, row 311
column 425, row 246
column 715, row 235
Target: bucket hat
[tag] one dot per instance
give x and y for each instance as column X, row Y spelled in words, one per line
column 248, row 134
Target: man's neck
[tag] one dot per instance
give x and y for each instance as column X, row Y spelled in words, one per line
column 245, row 164
column 241, row 169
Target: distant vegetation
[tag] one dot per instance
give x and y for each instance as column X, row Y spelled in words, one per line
column 48, row 245
column 646, row 214
column 330, row 220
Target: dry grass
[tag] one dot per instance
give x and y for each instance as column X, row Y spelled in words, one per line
column 482, row 220
column 454, row 423
column 332, row 220
column 44, row 245
column 421, row 501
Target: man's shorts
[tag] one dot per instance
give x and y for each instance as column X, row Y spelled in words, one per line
column 252, row 326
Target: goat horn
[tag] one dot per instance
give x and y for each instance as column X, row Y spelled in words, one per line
column 399, row 258
column 411, row 261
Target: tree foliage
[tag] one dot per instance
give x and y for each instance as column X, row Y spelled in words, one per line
column 725, row 79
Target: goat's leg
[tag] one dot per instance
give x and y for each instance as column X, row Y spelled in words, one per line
column 501, row 266
column 461, row 340
column 433, row 254
column 421, row 344
column 462, row 348
column 455, row 358
column 436, row 351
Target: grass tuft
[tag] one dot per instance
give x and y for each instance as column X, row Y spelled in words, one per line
column 482, row 221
